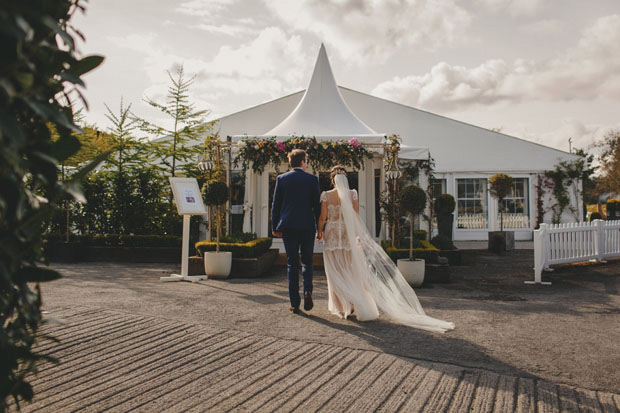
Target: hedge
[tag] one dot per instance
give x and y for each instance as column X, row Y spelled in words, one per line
column 115, row 240
column 250, row 249
column 429, row 253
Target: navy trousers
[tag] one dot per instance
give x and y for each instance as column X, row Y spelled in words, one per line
column 296, row 242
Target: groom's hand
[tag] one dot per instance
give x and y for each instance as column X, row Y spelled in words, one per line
column 276, row 234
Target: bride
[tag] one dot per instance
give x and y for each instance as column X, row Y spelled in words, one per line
column 360, row 275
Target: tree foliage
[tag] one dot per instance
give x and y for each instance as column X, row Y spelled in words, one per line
column 39, row 77
column 413, row 201
column 188, row 125
column 609, row 180
column 500, row 186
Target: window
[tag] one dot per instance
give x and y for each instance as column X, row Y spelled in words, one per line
column 516, row 205
column 438, row 187
column 471, row 203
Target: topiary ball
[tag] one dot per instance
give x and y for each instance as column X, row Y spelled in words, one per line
column 215, row 193
column 413, row 199
column 444, row 204
column 500, row 185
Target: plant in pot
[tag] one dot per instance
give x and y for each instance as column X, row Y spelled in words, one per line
column 412, row 201
column 444, row 207
column 500, row 186
column 217, row 263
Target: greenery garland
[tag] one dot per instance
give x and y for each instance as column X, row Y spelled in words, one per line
column 257, row 153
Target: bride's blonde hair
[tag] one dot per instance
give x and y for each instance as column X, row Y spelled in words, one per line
column 337, row 170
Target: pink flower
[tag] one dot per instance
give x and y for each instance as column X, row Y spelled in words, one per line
column 354, row 142
column 281, row 146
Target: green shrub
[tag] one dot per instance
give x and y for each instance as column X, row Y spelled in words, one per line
column 427, row 252
column 444, row 204
column 238, row 237
column 250, row 249
column 595, row 215
column 613, row 208
column 442, row 242
column 116, row 240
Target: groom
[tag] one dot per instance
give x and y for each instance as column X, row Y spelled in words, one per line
column 294, row 213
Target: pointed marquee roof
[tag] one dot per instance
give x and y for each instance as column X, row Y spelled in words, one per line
column 322, row 112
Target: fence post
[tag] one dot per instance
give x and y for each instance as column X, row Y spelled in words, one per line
column 601, row 247
column 540, row 254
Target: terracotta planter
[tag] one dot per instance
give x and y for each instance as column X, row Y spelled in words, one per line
column 218, row 264
column 412, row 270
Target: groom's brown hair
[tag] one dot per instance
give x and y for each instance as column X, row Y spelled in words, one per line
column 296, row 156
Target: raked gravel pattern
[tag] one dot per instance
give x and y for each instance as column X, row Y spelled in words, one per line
column 119, row 362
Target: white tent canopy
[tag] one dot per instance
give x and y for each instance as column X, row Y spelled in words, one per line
column 410, row 153
column 322, row 112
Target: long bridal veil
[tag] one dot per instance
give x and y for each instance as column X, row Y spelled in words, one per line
column 378, row 272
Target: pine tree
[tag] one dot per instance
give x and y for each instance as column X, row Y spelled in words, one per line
column 189, row 125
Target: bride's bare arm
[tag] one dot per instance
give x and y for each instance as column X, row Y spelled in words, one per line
column 322, row 219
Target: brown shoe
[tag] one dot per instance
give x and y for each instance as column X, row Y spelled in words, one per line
column 295, row 310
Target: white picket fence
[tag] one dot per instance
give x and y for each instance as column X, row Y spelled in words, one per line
column 471, row 221
column 515, row 221
column 583, row 241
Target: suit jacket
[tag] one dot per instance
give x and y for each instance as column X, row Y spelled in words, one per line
column 296, row 202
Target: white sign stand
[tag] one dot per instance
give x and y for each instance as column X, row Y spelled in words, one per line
column 189, row 202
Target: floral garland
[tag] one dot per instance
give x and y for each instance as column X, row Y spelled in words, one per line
column 322, row 155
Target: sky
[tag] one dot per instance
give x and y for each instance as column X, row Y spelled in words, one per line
column 546, row 71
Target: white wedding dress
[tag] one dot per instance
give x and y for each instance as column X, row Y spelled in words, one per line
column 361, row 277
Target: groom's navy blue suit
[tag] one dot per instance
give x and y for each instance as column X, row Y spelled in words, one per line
column 295, row 211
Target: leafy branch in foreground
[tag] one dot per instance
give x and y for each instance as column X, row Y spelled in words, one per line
column 40, row 76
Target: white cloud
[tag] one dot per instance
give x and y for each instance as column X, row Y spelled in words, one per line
column 375, row 29
column 582, row 135
column 512, row 7
column 204, row 8
column 543, row 27
column 268, row 65
column 234, row 30
column 587, row 71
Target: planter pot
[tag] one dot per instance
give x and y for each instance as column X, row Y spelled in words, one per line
column 444, row 225
column 453, row 256
column 218, row 264
column 412, row 270
column 509, row 241
column 437, row 274
column 254, row 267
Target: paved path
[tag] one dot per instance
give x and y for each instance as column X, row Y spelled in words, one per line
column 130, row 342
column 117, row 361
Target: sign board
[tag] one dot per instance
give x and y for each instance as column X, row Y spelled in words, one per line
column 187, row 196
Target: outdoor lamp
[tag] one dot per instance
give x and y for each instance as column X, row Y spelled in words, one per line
column 393, row 172
column 204, row 164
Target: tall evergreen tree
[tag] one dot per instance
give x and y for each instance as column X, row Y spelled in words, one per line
column 127, row 150
column 177, row 145
column 128, row 153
